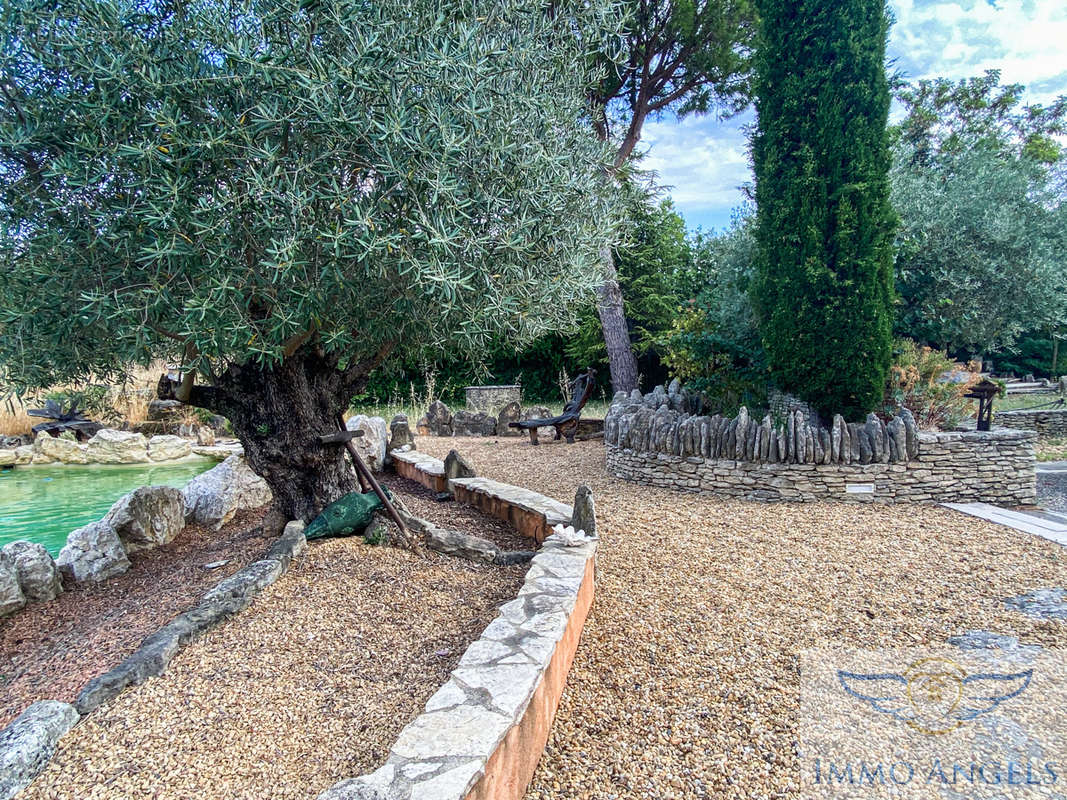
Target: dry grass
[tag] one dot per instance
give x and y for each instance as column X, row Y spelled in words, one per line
column 686, row 683
column 127, row 401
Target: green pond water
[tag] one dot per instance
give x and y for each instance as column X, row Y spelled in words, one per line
column 45, row 503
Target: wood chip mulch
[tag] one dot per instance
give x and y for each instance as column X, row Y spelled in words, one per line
column 49, row 651
column 686, row 682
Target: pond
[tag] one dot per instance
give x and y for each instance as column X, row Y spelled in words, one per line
column 43, row 504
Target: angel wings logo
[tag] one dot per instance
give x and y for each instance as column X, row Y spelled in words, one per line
column 934, row 695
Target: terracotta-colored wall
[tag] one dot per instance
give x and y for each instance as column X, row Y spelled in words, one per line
column 435, row 483
column 529, row 523
column 512, row 765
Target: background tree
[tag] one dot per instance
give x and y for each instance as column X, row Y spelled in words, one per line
column 651, row 257
column 283, row 195
column 979, row 183
column 714, row 344
column 685, row 56
column 824, row 223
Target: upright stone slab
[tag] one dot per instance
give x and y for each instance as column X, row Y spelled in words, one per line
column 400, row 433
column 584, row 515
column 456, row 466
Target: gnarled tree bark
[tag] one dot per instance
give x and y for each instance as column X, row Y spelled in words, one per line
column 278, row 413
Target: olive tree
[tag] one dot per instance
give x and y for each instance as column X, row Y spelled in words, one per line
column 280, row 196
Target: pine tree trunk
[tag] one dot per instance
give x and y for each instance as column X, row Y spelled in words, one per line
column 621, row 358
column 278, row 415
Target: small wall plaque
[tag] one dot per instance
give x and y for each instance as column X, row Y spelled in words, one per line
column 859, row 488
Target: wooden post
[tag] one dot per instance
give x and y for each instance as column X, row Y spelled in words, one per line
column 364, row 473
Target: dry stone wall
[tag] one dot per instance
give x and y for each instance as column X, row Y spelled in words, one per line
column 652, row 439
column 1048, row 423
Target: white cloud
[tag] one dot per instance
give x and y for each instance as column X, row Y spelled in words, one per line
column 705, row 161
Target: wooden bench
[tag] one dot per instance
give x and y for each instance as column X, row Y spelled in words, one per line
column 566, row 424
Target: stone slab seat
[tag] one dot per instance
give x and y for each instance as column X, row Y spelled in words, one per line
column 530, row 513
column 421, row 468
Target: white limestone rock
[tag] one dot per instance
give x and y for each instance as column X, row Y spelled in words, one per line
column 168, row 448
column 214, row 497
column 93, row 553
column 11, row 596
column 371, row 445
column 148, row 517
column 118, row 447
column 24, row 454
column 38, row 576
column 8, row 458
column 28, row 743
column 66, row 451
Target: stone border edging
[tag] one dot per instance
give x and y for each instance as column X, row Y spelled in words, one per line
column 482, row 733
column 28, row 743
column 531, row 514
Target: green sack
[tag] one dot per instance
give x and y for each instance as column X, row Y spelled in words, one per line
column 345, row 517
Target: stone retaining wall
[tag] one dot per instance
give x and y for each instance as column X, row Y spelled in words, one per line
column 530, row 513
column 660, row 446
column 1048, row 423
column 421, row 468
column 483, row 732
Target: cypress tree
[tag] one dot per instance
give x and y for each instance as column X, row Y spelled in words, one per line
column 824, row 223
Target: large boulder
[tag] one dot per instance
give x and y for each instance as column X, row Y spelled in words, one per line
column 24, row 454
column 205, row 436
column 35, row 569
column 66, row 451
column 436, row 422
column 467, row 423
column 371, row 445
column 11, row 596
column 400, row 433
column 118, row 447
column 168, row 448
column 214, row 497
column 8, row 458
column 148, row 517
column 512, row 412
column 93, row 553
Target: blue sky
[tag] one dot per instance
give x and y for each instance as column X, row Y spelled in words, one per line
column 703, row 161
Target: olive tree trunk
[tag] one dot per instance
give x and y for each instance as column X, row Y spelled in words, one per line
column 278, row 414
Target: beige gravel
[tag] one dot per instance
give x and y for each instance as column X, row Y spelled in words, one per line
column 685, row 684
column 309, row 685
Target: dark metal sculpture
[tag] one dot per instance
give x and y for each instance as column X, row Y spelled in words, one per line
column 63, row 419
column 566, row 424
column 984, row 392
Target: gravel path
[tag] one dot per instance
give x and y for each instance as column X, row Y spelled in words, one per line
column 309, row 685
column 49, row 651
column 685, row 684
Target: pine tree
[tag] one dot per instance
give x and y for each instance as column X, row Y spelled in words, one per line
column 824, row 223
